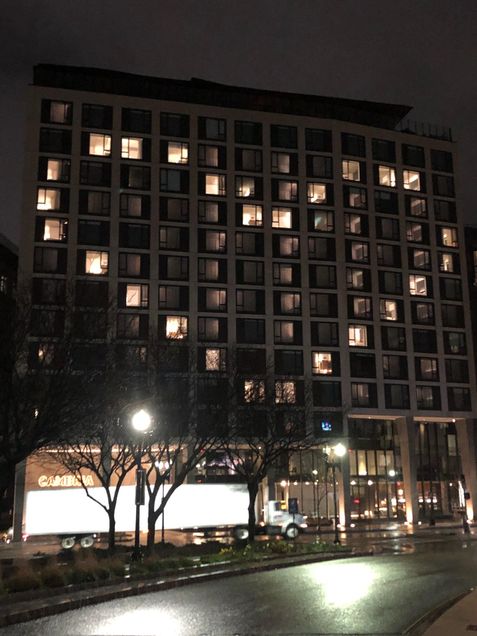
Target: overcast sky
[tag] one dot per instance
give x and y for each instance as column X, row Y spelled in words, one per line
column 417, row 52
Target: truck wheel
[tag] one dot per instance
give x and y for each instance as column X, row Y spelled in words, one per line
column 241, row 534
column 86, row 542
column 67, row 543
column 292, row 531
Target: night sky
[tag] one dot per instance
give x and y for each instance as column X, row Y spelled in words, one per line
column 417, row 52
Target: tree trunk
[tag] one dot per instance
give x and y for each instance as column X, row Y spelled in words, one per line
column 252, row 494
column 112, row 530
column 7, row 488
column 151, row 525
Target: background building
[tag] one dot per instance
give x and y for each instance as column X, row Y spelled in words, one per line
column 310, row 245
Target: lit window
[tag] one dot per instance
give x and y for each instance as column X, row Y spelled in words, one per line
column 414, row 232
column 281, row 162
column 417, row 285
column 48, row 199
column 215, row 184
column 290, row 303
column 244, row 187
column 54, row 170
column 387, row 176
column 388, row 309
column 215, row 360
column 289, row 246
column 215, row 241
column 350, row 170
column 96, row 262
column 446, row 262
column 282, row 217
column 359, row 252
column 285, row 392
column 60, row 113
column 136, row 295
column 321, row 363
column 99, row 145
column 254, row 390
column 421, row 259
column 283, row 274
column 362, row 307
column 353, row 224
column 412, row 180
column 316, row 192
column 54, row 230
column 215, row 299
column 417, row 206
column 131, row 148
column 449, row 236
column 176, row 327
column 357, row 336
column 252, row 215
column 177, row 152
column 284, row 332
column 46, row 353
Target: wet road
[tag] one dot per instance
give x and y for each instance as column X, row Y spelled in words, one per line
column 372, row 595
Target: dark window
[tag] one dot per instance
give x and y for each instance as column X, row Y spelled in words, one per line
column 441, row 161
column 133, row 325
column 390, row 283
column 248, row 132
column 95, row 173
column 386, row 202
column 321, row 221
column 322, row 249
column 358, row 279
column 174, row 180
column 393, row 338
column 443, row 186
column 250, row 301
column 249, row 272
column 387, row 228
column 395, row 367
column 174, row 125
column 360, row 307
column 174, row 209
column 422, row 313
column 91, row 293
column 428, row 398
column 323, row 276
column 135, row 120
column 248, row 159
column 287, row 332
column 134, row 265
column 249, row 243
column 326, row 393
column 250, row 331
column 288, row 362
column 416, row 206
column 353, row 145
column 318, row 140
column 212, row 270
column 388, row 255
column 136, row 177
column 174, row 267
column 93, row 232
column 135, row 205
column 452, row 316
column 427, row 369
column 457, row 370
column 283, row 190
column 324, row 334
column 384, row 150
column 213, row 212
column 251, row 361
column 413, row 155
column 363, row 394
column 49, row 260
column 174, row 238
column 174, row 297
column 212, row 128
column 48, row 291
column 212, row 241
column 283, row 136
column 325, row 305
column 134, row 235
column 286, row 274
column 451, row 288
column 424, row 340
column 396, row 396
column 319, row 166
column 362, row 365
column 55, row 140
column 47, row 322
column 94, row 202
column 459, row 398
column 212, row 299
column 97, row 116
column 56, row 112
column 286, row 246
column 445, row 211
column 454, row 343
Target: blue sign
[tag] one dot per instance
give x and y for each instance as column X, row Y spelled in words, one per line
column 326, row 425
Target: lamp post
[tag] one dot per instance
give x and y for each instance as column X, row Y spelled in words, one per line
column 336, row 452
column 141, row 422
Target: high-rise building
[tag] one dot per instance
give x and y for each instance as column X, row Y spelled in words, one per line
column 320, row 234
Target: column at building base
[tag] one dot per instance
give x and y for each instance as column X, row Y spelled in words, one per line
column 466, row 444
column 407, row 442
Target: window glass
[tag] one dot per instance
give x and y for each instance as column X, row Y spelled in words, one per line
column 412, row 180
column 131, row 148
column 351, row 170
column 96, row 262
column 387, row 176
column 357, row 336
column 282, row 217
column 99, row 145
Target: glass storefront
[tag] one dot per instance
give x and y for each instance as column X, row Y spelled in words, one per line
column 439, row 480
column 376, row 484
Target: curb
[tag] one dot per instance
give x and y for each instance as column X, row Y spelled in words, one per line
column 92, row 597
column 424, row 622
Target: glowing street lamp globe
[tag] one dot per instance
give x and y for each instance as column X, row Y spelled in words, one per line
column 339, row 450
column 141, row 421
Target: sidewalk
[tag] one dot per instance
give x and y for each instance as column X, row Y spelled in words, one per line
column 459, row 620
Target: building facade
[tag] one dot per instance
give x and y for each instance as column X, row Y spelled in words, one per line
column 320, row 236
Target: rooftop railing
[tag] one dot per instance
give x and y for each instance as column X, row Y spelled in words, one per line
column 424, row 129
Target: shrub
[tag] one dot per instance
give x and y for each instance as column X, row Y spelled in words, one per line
column 53, row 576
column 23, row 578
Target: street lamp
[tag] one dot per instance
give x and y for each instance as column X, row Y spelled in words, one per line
column 336, row 452
column 141, row 422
